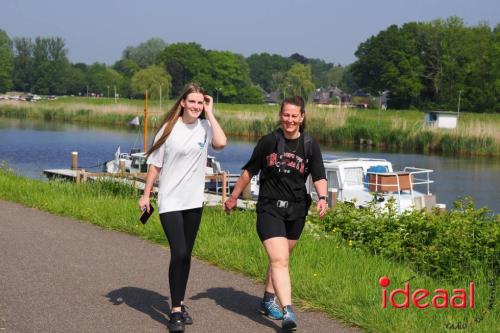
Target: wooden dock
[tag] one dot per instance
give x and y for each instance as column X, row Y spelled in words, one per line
column 138, row 181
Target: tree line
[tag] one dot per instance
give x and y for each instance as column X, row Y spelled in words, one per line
column 433, row 65
column 41, row 66
column 425, row 65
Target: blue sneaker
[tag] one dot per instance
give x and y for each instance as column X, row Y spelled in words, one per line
column 271, row 309
column 289, row 323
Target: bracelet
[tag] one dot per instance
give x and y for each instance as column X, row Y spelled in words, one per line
column 323, row 197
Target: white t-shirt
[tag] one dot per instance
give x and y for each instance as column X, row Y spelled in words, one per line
column 182, row 159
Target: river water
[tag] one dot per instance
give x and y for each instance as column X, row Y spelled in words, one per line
column 32, row 146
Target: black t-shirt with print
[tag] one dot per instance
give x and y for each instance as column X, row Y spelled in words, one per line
column 290, row 184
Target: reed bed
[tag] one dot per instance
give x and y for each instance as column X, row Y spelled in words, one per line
column 481, row 128
column 402, row 131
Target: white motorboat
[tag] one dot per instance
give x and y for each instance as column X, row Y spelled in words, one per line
column 135, row 162
column 367, row 180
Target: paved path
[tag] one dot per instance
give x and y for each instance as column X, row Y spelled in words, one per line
column 61, row 275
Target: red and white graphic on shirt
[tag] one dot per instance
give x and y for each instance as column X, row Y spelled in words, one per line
column 291, row 160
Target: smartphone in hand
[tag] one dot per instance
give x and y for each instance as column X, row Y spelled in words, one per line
column 145, row 215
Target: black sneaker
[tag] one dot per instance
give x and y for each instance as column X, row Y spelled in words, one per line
column 176, row 324
column 185, row 315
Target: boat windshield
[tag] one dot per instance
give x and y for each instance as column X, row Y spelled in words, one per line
column 333, row 180
column 353, row 176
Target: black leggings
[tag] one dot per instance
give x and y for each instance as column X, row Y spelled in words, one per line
column 181, row 228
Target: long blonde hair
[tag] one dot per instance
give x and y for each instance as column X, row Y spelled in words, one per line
column 173, row 114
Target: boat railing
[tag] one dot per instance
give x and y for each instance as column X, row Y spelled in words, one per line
column 419, row 172
column 390, row 182
column 397, row 182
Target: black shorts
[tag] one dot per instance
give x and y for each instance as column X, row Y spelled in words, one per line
column 275, row 221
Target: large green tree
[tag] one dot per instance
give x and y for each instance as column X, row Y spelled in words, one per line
column 229, row 77
column 390, row 61
column 443, row 54
column 348, row 82
column 50, row 65
column 126, row 67
column 152, row 79
column 6, row 62
column 185, row 62
column 332, row 77
column 23, row 64
column 76, row 79
column 298, row 81
column 479, row 88
column 264, row 65
column 146, row 53
column 319, row 71
column 40, row 66
column 430, row 65
column 102, row 79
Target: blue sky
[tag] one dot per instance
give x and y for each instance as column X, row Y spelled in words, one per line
column 99, row 30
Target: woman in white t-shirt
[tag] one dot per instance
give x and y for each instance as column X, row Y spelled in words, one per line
column 179, row 156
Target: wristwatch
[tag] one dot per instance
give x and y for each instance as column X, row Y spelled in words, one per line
column 323, row 197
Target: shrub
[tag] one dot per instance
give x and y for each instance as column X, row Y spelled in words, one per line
column 451, row 245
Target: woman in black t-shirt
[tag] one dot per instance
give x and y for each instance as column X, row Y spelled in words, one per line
column 284, row 159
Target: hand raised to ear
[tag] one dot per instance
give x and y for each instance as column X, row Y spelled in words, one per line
column 209, row 104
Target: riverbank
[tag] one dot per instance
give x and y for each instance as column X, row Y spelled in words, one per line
column 328, row 273
column 401, row 131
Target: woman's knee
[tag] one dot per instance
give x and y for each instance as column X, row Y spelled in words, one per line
column 279, row 261
column 179, row 257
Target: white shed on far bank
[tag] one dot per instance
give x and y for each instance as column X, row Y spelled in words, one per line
column 441, row 119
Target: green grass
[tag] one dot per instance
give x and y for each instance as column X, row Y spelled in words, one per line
column 327, row 273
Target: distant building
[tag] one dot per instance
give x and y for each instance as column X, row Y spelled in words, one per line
column 441, row 119
column 360, row 99
column 330, row 95
column 272, row 98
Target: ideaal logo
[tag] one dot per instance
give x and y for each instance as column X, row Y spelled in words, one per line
column 440, row 298
column 423, row 298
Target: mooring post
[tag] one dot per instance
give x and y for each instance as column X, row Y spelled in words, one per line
column 224, row 186
column 74, row 160
column 332, row 197
column 247, row 192
column 121, row 165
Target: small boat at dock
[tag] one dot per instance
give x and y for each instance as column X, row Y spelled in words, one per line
column 364, row 181
column 132, row 162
